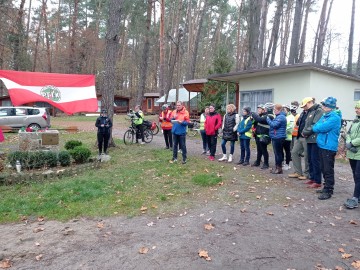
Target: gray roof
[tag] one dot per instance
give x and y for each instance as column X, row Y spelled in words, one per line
column 236, row 76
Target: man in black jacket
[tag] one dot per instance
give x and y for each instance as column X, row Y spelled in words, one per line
column 104, row 124
column 262, row 138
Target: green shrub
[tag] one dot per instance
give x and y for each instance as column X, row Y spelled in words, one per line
column 69, row 145
column 51, row 159
column 80, row 154
column 17, row 155
column 36, row 160
column 64, row 158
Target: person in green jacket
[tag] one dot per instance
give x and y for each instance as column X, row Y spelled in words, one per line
column 139, row 123
column 353, row 154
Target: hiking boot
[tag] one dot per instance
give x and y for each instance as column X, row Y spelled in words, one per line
column 278, row 170
column 224, row 158
column 302, row 177
column 294, row 175
column 142, row 143
column 351, row 204
column 310, row 182
column 211, row 158
column 184, row 161
column 265, row 166
column 246, row 163
column 230, row 158
column 320, row 191
column 314, row 185
column 174, row 160
column 324, row 196
column 240, row 162
column 255, row 164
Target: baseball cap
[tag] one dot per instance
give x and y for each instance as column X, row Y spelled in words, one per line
column 305, row 101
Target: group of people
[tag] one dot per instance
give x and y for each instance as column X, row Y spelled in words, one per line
column 310, row 136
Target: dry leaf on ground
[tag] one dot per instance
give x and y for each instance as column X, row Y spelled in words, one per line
column 208, row 226
column 143, row 250
column 353, row 222
column 143, row 208
column 39, row 257
column 100, row 225
column 346, row 256
column 6, row 263
column 204, row 254
column 41, row 218
column 270, row 213
column 341, row 250
column 243, row 210
column 356, row 264
column 339, row 268
column 38, row 229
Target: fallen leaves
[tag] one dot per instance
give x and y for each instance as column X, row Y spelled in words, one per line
column 209, row 226
column 143, row 250
column 5, row 263
column 346, row 255
column 204, row 254
column 243, row 210
column 100, row 225
column 38, row 229
column 39, row 257
column 353, row 222
column 270, row 213
column 356, row 264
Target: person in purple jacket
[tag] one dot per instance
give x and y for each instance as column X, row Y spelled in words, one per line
column 277, row 134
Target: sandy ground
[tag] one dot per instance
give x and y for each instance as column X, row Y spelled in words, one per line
column 296, row 232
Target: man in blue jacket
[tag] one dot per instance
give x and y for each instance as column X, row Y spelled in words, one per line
column 328, row 130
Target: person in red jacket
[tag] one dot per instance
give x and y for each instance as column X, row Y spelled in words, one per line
column 212, row 125
column 166, row 126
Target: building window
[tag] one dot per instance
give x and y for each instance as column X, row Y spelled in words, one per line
column 253, row 98
column 357, row 94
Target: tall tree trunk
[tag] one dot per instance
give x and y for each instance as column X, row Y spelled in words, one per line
column 262, row 34
column 238, row 37
column 274, row 34
column 48, row 50
column 28, row 26
column 304, row 31
column 162, row 49
column 111, row 52
column 36, row 50
column 19, row 37
column 322, row 28
column 351, row 39
column 254, row 31
column 358, row 63
column 295, row 37
column 145, row 56
column 72, row 56
column 285, row 31
column 192, row 67
column 174, row 50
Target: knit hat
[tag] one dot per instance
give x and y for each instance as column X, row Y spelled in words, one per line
column 262, row 106
column 103, row 111
column 329, row 102
column 247, row 109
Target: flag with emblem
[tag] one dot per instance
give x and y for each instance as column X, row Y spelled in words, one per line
column 70, row 93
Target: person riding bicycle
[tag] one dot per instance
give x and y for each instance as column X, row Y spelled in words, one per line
column 104, row 124
column 138, row 121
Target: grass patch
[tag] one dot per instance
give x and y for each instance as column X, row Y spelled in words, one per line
column 206, row 180
column 137, row 176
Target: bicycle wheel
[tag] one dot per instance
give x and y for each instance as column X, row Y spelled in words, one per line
column 129, row 137
column 156, row 130
column 148, row 135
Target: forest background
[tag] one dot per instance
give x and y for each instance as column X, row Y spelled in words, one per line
column 142, row 46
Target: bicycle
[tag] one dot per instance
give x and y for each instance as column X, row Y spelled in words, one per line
column 193, row 128
column 132, row 133
column 153, row 126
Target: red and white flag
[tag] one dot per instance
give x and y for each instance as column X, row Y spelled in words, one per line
column 70, row 93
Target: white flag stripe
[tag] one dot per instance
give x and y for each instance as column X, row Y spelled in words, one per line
column 68, row 94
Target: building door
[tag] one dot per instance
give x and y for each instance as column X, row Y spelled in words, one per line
column 149, row 105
